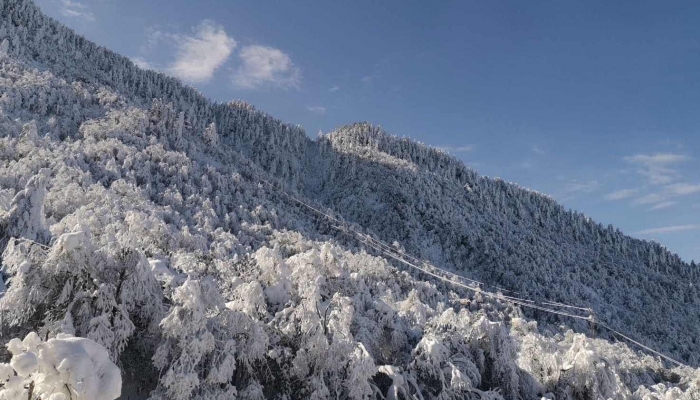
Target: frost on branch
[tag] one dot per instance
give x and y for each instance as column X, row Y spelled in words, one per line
column 211, row 137
column 61, row 368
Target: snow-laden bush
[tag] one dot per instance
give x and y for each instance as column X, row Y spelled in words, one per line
column 206, row 348
column 75, row 288
column 60, row 368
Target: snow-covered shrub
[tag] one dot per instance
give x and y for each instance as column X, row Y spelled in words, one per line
column 207, row 348
column 61, row 368
column 78, row 289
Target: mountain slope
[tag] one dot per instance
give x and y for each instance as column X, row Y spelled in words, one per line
column 148, row 227
column 515, row 238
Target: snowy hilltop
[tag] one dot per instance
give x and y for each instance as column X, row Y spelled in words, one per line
column 157, row 245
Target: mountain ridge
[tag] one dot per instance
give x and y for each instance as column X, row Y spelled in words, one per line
column 283, row 150
column 237, row 106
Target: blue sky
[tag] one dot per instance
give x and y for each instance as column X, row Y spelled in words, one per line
column 594, row 103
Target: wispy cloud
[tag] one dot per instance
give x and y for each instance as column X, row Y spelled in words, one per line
column 665, row 180
column 621, row 194
column 576, row 186
column 658, row 168
column 142, row 63
column 456, row 149
column 199, row 55
column 651, row 198
column 662, row 205
column 334, row 89
column 668, row 229
column 664, row 194
column 683, row 189
column 154, row 36
column 538, row 150
column 317, row 109
column 266, row 66
column 658, row 159
column 367, row 79
column 76, row 9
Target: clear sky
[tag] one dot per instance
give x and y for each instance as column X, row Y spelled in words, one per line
column 594, row 103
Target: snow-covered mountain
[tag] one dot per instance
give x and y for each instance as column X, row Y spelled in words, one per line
column 136, row 213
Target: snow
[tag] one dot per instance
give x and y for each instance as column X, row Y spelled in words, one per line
column 85, row 366
column 25, row 364
column 397, row 381
column 30, row 131
column 159, row 267
column 71, row 241
column 66, row 366
column 15, row 346
column 4, row 47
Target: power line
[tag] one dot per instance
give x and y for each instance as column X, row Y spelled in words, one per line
column 395, row 254
column 641, row 345
column 402, row 257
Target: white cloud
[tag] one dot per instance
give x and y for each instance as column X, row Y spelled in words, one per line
column 621, row 194
column 199, row 55
column 537, row 150
column 657, row 167
column 367, row 79
column 668, row 229
column 266, row 66
column 662, row 205
column 76, row 9
column 317, row 109
column 334, row 89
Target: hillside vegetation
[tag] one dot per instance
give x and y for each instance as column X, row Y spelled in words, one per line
column 138, row 214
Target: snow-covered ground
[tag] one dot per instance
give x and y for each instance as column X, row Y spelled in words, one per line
column 156, row 232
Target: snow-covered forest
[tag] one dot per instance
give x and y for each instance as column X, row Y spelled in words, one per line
column 149, row 249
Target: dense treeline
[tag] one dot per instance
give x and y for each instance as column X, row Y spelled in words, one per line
column 512, row 237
